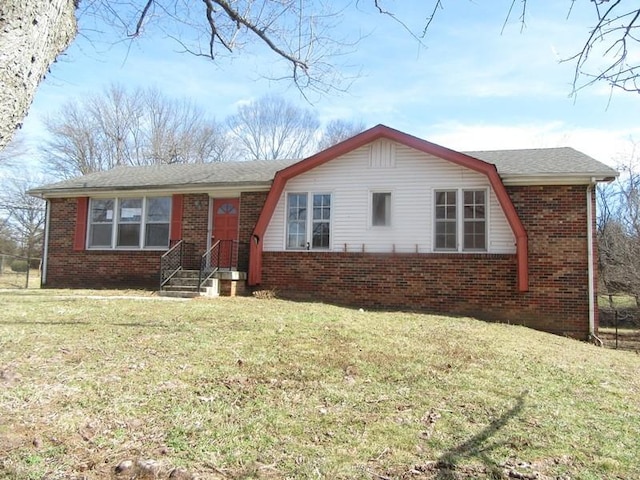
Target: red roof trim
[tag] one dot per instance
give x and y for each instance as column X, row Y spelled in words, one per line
column 368, row 136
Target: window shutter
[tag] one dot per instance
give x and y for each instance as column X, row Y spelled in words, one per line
column 176, row 218
column 82, row 209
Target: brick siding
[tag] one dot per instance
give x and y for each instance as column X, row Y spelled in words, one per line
column 67, row 268
column 250, row 207
column 483, row 286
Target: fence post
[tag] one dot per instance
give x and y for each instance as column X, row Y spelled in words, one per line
column 616, row 321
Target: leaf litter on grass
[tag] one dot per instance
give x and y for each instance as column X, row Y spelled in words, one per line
column 248, row 388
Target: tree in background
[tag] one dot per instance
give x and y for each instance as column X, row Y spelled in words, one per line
column 618, row 230
column 22, row 216
column 338, row 130
column 272, row 128
column 301, row 34
column 121, row 127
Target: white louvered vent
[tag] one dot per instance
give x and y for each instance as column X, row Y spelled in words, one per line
column 382, row 154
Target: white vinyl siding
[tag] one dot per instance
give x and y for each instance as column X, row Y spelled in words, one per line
column 413, row 180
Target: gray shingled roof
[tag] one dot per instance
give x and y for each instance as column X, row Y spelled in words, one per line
column 218, row 174
column 545, row 162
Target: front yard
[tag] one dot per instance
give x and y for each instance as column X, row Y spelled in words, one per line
column 246, row 388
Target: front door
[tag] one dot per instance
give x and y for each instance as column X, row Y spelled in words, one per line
column 225, row 229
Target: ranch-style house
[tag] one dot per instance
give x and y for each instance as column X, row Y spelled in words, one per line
column 382, row 220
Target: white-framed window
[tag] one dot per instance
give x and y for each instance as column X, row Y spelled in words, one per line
column 381, row 209
column 321, row 221
column 446, row 231
column 474, row 231
column 460, row 220
column 129, row 223
column 306, row 231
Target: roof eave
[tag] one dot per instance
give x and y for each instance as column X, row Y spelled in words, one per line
column 155, row 189
column 557, row 178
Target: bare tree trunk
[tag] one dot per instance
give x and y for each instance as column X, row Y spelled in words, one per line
column 32, row 34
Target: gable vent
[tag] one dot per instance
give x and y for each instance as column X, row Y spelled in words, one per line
column 382, row 154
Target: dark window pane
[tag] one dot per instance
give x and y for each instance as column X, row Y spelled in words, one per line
column 101, row 210
column 158, row 209
column 157, row 235
column 227, row 209
column 451, row 212
column 100, row 235
column 130, row 210
column 381, row 209
column 129, row 235
column 320, row 235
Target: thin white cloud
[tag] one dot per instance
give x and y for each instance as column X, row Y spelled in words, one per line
column 607, row 146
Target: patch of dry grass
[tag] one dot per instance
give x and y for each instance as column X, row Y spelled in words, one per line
column 249, row 388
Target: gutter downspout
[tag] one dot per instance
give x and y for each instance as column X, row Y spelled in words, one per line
column 45, row 246
column 591, row 284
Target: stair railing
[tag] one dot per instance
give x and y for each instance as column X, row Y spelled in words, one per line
column 209, row 263
column 171, row 262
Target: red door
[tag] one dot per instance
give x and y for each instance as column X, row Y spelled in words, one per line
column 225, row 229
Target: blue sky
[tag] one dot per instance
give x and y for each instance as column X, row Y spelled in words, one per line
column 469, row 87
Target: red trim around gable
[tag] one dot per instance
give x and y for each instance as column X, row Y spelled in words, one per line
column 80, row 236
column 375, row 133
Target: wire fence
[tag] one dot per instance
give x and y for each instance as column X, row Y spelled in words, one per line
column 19, row 272
column 620, row 322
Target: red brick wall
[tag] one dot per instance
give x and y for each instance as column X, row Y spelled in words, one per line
column 195, row 227
column 250, row 207
column 479, row 285
column 483, row 286
column 67, row 268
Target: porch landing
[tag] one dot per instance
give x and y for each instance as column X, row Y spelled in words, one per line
column 225, row 283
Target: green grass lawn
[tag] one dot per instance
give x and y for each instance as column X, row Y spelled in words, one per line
column 248, row 388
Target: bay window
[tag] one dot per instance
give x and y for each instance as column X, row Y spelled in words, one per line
column 129, row 223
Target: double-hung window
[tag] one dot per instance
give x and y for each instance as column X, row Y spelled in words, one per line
column 129, row 223
column 321, row 221
column 475, row 220
column 306, row 231
column 446, row 220
column 460, row 220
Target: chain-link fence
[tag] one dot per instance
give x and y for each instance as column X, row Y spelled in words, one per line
column 19, row 272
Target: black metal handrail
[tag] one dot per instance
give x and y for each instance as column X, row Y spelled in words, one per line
column 222, row 254
column 209, row 263
column 171, row 262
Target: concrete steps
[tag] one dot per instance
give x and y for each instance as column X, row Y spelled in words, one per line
column 184, row 284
